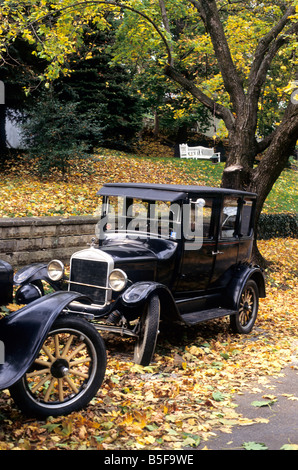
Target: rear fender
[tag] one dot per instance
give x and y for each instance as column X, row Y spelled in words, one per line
column 137, row 295
column 23, row 332
column 242, row 275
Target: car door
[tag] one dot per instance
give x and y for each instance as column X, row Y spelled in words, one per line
column 198, row 244
column 226, row 249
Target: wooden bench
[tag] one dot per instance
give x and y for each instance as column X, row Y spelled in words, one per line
column 202, row 153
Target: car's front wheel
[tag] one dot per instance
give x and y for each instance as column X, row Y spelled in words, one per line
column 148, row 329
column 67, row 372
column 243, row 321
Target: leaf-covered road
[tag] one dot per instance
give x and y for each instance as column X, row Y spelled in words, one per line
column 275, row 401
column 187, row 394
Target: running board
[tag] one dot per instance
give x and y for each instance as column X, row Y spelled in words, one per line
column 197, row 317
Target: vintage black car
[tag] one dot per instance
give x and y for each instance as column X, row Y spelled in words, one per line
column 165, row 253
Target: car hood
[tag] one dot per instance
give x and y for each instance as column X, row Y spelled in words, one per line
column 129, row 249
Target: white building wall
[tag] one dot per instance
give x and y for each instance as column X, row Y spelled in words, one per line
column 13, row 134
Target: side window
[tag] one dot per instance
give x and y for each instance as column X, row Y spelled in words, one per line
column 207, row 216
column 229, row 217
column 246, row 216
column 201, row 213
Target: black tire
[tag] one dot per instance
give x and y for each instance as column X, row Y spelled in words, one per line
column 39, row 285
column 67, row 372
column 148, row 332
column 243, row 321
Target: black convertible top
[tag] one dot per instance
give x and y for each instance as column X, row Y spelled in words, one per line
column 163, row 192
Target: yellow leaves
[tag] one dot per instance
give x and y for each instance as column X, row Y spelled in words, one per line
column 27, row 195
column 134, row 423
column 56, row 196
column 196, row 351
column 13, row 307
column 9, row 308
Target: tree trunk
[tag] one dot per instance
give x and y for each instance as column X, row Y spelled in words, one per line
column 239, row 172
column 156, row 124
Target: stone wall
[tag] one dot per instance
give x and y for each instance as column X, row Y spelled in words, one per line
column 28, row 240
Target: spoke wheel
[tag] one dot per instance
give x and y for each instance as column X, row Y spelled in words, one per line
column 148, row 331
column 67, row 372
column 243, row 321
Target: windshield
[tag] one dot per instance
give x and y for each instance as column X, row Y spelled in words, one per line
column 137, row 217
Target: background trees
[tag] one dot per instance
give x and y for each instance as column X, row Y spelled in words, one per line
column 103, row 89
column 68, row 116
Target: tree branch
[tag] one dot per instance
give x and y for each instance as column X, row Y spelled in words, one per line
column 166, row 24
column 114, row 4
column 282, row 144
column 266, row 51
column 264, row 143
column 219, row 110
column 209, row 13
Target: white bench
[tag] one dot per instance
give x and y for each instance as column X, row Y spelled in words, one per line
column 203, row 153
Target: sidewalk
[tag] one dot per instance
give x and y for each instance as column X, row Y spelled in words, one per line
column 282, row 416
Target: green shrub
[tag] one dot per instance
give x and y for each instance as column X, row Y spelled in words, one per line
column 278, row 225
column 56, row 134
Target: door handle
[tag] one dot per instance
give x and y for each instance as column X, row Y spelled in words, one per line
column 217, row 253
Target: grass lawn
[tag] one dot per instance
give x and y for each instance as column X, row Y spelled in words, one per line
column 22, row 194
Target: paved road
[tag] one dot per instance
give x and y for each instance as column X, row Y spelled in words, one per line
column 282, row 416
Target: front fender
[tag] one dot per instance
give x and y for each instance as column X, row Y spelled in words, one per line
column 242, row 274
column 23, row 332
column 138, row 294
column 30, row 273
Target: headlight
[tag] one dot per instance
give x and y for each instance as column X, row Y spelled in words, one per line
column 27, row 294
column 117, row 280
column 55, row 270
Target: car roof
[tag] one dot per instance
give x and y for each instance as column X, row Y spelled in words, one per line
column 164, row 192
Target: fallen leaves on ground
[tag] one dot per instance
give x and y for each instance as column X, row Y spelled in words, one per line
column 186, row 395
column 25, row 195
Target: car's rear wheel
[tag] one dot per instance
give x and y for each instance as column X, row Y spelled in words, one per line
column 147, row 329
column 243, row 321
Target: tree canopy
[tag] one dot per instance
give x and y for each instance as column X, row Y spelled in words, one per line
column 218, row 46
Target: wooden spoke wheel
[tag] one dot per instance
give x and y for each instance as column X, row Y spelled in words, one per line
column 67, row 372
column 243, row 321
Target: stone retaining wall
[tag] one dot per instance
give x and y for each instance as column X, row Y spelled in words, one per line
column 28, row 240
column 39, row 239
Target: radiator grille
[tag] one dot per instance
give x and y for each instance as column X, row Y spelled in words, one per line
column 89, row 272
